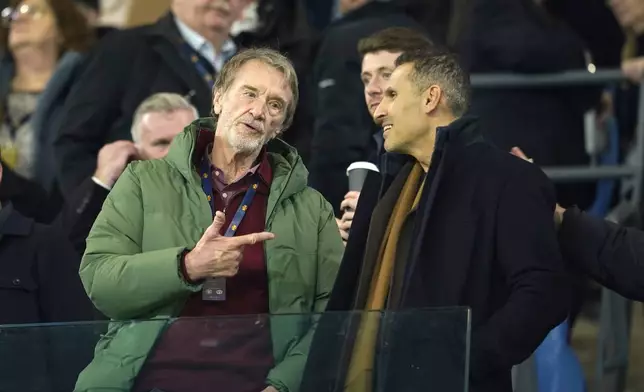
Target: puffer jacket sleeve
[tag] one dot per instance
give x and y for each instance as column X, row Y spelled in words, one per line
column 287, row 375
column 122, row 281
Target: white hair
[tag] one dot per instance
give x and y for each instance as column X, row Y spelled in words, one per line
column 159, row 103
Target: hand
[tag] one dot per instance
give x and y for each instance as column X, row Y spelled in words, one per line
column 270, row 389
column 633, row 69
column 112, row 160
column 218, row 256
column 349, row 205
column 559, row 214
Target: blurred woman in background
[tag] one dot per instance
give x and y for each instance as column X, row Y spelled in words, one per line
column 42, row 43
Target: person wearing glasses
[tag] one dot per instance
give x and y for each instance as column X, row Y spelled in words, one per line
column 42, row 42
column 181, row 53
column 224, row 229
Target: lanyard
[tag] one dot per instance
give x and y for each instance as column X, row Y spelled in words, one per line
column 214, row 289
column 202, row 66
column 8, row 121
column 206, row 184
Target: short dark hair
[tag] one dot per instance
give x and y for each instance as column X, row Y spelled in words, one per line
column 394, row 39
column 441, row 67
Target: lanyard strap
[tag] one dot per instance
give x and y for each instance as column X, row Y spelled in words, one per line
column 8, row 121
column 202, row 66
column 207, row 185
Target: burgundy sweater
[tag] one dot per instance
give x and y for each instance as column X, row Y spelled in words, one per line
column 219, row 351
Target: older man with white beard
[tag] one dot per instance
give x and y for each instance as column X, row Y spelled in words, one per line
column 224, row 225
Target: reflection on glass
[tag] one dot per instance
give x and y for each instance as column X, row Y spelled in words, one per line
column 415, row 350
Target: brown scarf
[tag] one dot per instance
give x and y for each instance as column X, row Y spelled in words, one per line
column 359, row 377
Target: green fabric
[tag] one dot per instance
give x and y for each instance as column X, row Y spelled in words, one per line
column 156, row 210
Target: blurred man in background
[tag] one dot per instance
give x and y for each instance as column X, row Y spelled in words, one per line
column 630, row 15
column 379, row 52
column 343, row 130
column 181, row 53
column 156, row 122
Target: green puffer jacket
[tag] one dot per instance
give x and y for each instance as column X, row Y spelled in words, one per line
column 156, row 210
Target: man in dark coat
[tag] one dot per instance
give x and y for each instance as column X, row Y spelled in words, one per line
column 611, row 254
column 520, row 36
column 39, row 283
column 461, row 224
column 343, row 128
column 181, row 53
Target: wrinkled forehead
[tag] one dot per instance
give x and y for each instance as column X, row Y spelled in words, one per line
column 265, row 78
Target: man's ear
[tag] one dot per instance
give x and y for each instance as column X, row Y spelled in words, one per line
column 216, row 103
column 431, row 98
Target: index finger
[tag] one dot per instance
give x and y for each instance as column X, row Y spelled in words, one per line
column 251, row 239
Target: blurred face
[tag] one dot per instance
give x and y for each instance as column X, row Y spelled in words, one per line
column 253, row 109
column 158, row 129
column 629, row 14
column 204, row 15
column 32, row 23
column 403, row 114
column 349, row 5
column 376, row 71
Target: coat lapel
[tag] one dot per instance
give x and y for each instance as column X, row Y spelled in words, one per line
column 344, row 290
column 446, row 227
column 377, row 228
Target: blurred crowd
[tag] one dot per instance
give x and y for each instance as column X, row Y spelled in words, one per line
column 91, row 106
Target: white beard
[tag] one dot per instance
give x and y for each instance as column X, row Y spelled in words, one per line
column 244, row 143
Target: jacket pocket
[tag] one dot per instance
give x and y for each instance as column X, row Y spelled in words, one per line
column 19, row 298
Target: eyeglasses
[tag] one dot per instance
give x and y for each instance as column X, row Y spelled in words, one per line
column 10, row 14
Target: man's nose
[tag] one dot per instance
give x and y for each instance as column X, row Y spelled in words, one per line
column 373, row 88
column 257, row 108
column 380, row 112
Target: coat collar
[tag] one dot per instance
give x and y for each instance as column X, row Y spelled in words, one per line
column 289, row 175
column 463, row 131
column 164, row 39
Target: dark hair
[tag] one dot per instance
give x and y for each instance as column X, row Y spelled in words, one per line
column 74, row 29
column 439, row 66
column 394, row 39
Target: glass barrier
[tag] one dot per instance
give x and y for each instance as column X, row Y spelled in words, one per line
column 415, row 350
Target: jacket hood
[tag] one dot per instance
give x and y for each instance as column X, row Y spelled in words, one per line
column 289, row 172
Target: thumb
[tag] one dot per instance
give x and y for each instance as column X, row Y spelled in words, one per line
column 217, row 223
